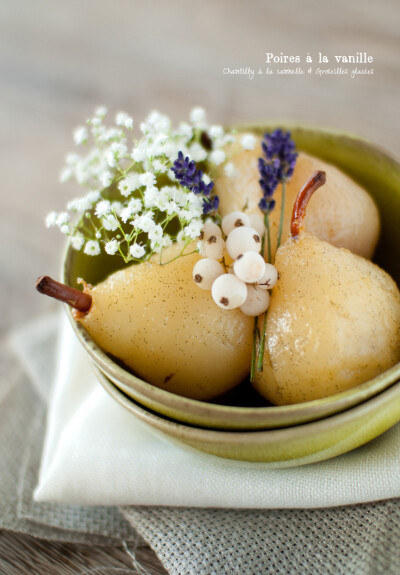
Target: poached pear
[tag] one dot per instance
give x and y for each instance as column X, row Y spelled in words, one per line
column 155, row 320
column 333, row 321
column 343, row 213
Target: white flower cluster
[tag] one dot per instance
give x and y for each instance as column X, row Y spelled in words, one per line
column 132, row 195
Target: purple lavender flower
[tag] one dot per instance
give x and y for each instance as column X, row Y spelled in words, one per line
column 278, row 165
column 190, row 177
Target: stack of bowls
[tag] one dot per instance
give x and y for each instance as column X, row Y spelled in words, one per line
column 240, row 426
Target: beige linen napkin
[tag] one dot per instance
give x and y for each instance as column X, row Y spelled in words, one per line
column 98, row 453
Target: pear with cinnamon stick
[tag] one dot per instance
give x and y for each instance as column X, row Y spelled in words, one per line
column 333, row 321
column 343, row 213
column 156, row 321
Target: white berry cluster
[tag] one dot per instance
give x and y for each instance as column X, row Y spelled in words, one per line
column 245, row 282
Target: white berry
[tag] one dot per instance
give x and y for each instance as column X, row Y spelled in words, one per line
column 210, row 229
column 257, row 301
column 212, row 247
column 269, row 278
column 243, row 239
column 234, row 220
column 228, row 291
column 205, row 272
column 249, row 267
column 257, row 223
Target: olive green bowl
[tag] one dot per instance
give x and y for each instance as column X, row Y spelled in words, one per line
column 377, row 172
column 288, row 447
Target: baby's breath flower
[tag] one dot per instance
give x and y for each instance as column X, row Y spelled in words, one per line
column 248, row 142
column 62, row 219
column 171, row 150
column 133, row 207
column 144, row 222
column 83, row 204
column 81, row 135
column 106, row 179
column 158, row 122
column 122, row 119
column 156, row 234
column 216, row 132
column 110, row 222
column 159, row 167
column 102, row 208
column 101, row 111
column 185, row 130
column 51, row 219
column 129, row 184
column 147, row 215
column 217, row 157
column 197, row 153
column 111, row 247
column 193, row 230
column 95, row 122
column 198, row 117
column 77, row 241
column 139, row 154
column 151, row 195
column 92, row 248
column 117, row 150
column 147, row 179
column 137, row 251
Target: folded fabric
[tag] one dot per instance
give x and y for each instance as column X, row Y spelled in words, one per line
column 98, row 453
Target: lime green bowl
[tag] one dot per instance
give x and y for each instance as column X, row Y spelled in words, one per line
column 288, row 447
column 379, row 174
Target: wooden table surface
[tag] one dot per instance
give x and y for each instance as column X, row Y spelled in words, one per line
column 60, row 60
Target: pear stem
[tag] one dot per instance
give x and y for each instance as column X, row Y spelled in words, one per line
column 79, row 300
column 317, row 180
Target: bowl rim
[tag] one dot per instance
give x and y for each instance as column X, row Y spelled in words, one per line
column 227, row 434
column 355, row 426
column 261, row 415
column 274, row 414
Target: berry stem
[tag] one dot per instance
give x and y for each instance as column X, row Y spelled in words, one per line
column 79, row 300
column 317, row 180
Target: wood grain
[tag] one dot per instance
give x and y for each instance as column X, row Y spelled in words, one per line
column 59, row 60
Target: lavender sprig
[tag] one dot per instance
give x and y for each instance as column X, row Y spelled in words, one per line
column 276, row 167
column 190, row 177
column 280, row 147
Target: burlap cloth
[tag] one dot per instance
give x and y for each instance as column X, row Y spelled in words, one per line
column 358, row 539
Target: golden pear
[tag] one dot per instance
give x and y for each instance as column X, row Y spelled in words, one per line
column 343, row 213
column 155, row 320
column 333, row 321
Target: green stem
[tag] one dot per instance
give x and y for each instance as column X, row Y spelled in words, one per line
column 180, row 255
column 254, row 350
column 278, row 243
column 262, row 344
column 267, row 227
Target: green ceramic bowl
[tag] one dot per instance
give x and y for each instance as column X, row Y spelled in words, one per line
column 376, row 171
column 290, row 447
